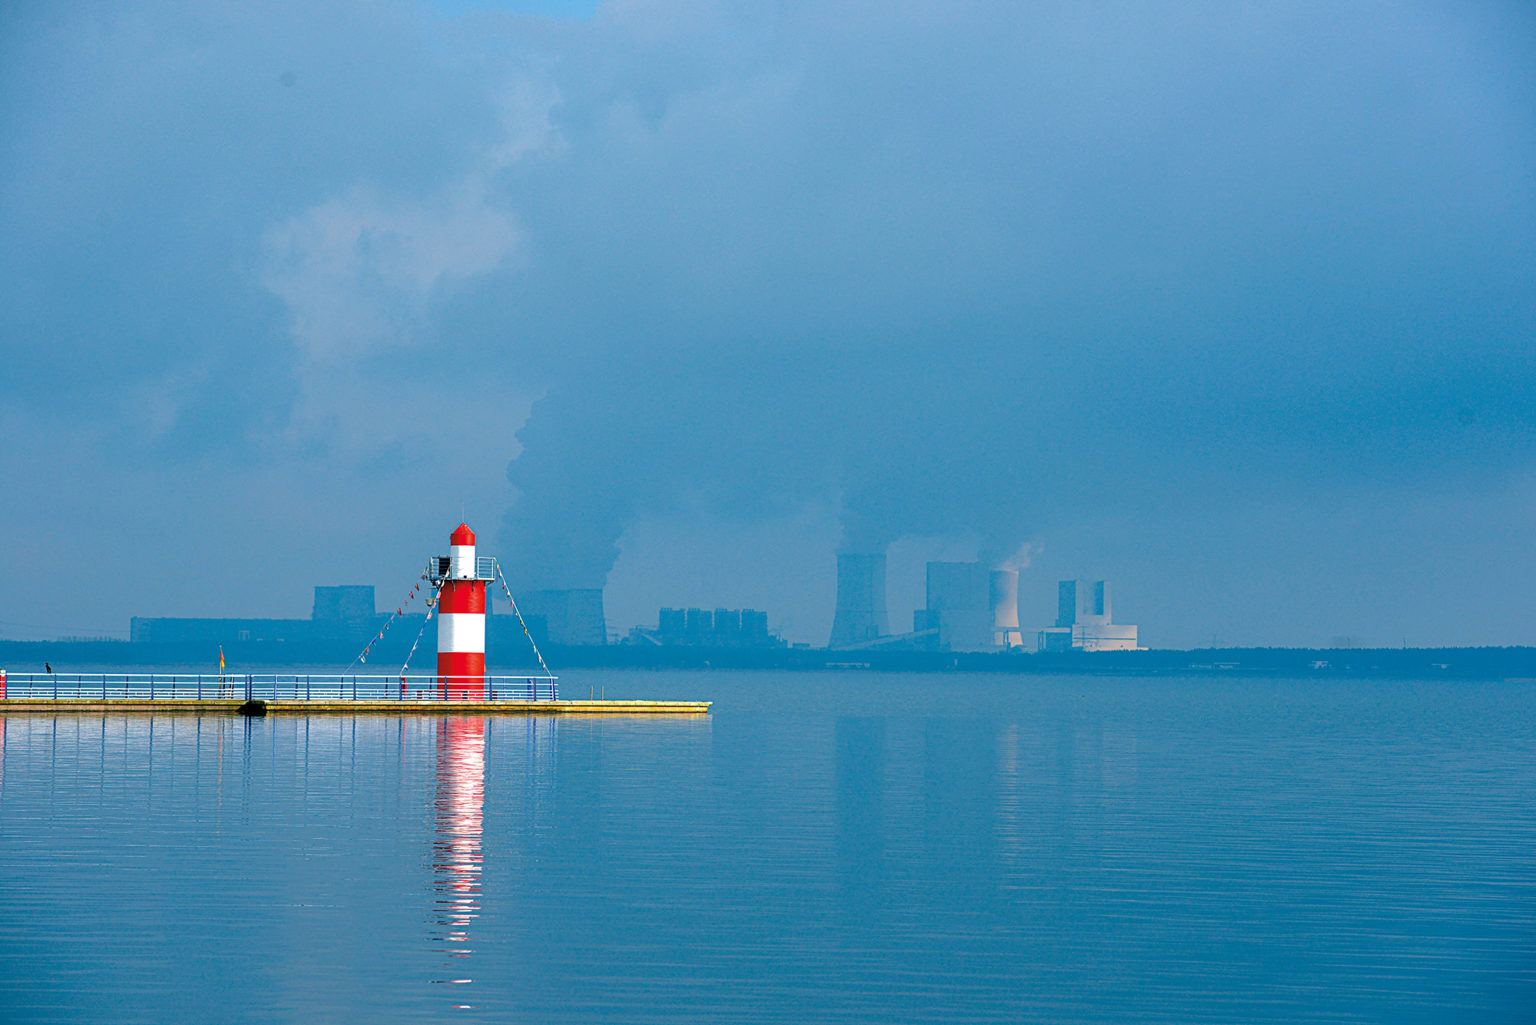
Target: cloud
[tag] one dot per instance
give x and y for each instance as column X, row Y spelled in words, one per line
column 1007, row 270
column 1000, row 273
column 357, row 272
column 364, row 274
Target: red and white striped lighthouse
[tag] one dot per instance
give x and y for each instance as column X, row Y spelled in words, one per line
column 461, row 619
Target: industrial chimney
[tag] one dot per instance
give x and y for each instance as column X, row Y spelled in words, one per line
column 860, row 616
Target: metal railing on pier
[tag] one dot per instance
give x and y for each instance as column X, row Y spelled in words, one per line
column 328, row 687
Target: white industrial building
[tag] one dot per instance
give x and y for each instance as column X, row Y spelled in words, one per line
column 1083, row 621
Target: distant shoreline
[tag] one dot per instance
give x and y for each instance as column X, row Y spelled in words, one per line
column 1507, row 663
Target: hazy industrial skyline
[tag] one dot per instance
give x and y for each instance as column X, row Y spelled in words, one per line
column 1229, row 304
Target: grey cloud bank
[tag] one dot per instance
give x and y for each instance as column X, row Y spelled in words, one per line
column 1228, row 303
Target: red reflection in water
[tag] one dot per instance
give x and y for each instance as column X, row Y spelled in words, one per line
column 456, row 860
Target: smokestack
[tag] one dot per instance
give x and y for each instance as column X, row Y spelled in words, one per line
column 860, row 615
column 1004, row 599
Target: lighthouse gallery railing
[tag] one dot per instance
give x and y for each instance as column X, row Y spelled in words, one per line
column 278, row 687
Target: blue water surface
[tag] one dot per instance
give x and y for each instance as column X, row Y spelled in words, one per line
column 832, row 847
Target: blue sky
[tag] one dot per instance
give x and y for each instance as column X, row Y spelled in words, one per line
column 1229, row 303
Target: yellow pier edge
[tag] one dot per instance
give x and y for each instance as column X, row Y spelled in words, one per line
column 358, row 707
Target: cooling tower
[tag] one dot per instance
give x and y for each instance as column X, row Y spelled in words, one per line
column 574, row 617
column 1004, row 599
column 860, row 616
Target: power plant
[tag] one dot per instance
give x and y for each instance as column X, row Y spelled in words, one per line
column 970, row 607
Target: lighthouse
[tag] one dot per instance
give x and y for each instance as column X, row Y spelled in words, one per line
column 460, row 578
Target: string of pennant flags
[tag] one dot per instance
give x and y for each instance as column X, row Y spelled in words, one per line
column 399, row 611
column 412, row 653
column 518, row 613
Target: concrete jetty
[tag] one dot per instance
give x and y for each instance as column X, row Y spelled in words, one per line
column 311, row 694
column 362, row 706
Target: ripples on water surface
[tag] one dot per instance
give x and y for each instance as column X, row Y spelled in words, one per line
column 850, row 847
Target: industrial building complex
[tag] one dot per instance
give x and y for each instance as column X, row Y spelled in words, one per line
column 968, row 607
column 970, row 621
column 722, row 628
column 1082, row 621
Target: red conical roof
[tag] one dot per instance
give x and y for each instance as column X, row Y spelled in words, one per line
column 463, row 536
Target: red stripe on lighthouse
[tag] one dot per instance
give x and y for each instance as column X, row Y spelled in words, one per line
column 463, row 673
column 462, row 596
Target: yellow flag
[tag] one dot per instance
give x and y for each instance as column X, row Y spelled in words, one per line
column 221, row 658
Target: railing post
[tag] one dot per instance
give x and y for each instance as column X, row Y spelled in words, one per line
column 151, row 686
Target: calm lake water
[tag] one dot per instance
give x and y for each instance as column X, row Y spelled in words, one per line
column 822, row 848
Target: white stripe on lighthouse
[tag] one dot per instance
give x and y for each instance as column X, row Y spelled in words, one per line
column 461, row 631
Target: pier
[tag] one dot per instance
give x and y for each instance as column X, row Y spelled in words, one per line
column 310, row 693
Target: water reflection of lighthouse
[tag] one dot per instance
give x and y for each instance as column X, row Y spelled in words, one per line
column 456, row 853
